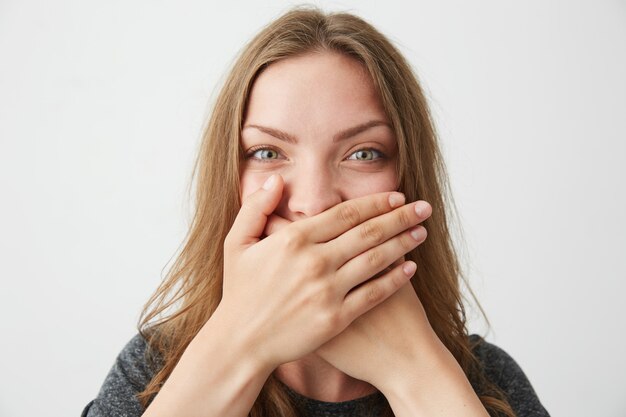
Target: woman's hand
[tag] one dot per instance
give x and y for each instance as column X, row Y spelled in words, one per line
column 394, row 348
column 386, row 342
column 290, row 292
column 388, row 339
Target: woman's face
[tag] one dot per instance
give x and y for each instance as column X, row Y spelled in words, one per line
column 317, row 121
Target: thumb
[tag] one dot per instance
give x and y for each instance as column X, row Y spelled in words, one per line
column 252, row 217
column 274, row 224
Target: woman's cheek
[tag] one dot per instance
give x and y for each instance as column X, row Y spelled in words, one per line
column 251, row 182
column 365, row 184
column 351, row 184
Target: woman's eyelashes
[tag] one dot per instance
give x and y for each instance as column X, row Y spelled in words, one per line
column 264, row 153
column 367, row 154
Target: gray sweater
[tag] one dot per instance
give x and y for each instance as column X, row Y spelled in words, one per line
column 130, row 374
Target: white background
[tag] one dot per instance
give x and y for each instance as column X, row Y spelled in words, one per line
column 101, row 105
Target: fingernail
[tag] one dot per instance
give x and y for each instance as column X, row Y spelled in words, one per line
column 409, row 268
column 420, row 208
column 269, row 183
column 396, row 199
column 418, row 233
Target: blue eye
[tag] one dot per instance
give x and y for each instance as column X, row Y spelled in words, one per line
column 264, row 154
column 366, row 155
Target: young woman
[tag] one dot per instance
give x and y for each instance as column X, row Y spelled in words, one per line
column 308, row 285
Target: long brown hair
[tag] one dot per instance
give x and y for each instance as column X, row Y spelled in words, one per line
column 191, row 291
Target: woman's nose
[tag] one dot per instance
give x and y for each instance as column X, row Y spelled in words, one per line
column 311, row 192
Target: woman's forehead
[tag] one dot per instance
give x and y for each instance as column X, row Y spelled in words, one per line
column 318, row 91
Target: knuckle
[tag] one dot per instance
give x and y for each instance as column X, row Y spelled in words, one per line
column 349, row 214
column 403, row 219
column 322, row 294
column 375, row 259
column 323, row 297
column 374, row 294
column 252, row 204
column 293, row 239
column 328, row 322
column 381, row 205
column 397, row 279
column 407, row 243
column 334, row 321
column 372, row 232
column 327, row 292
column 316, row 265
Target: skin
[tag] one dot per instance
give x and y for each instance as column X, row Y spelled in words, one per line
column 314, row 282
column 312, row 98
column 296, row 110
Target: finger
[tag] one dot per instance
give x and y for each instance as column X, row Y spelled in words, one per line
column 274, row 224
column 344, row 216
column 397, row 262
column 375, row 231
column 370, row 294
column 375, row 260
column 252, row 217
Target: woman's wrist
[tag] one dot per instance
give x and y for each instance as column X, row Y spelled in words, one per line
column 432, row 385
column 217, row 375
column 236, row 341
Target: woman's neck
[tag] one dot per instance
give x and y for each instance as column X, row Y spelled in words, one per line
column 315, row 378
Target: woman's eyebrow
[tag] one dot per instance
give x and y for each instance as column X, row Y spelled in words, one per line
column 344, row 134
column 278, row 134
